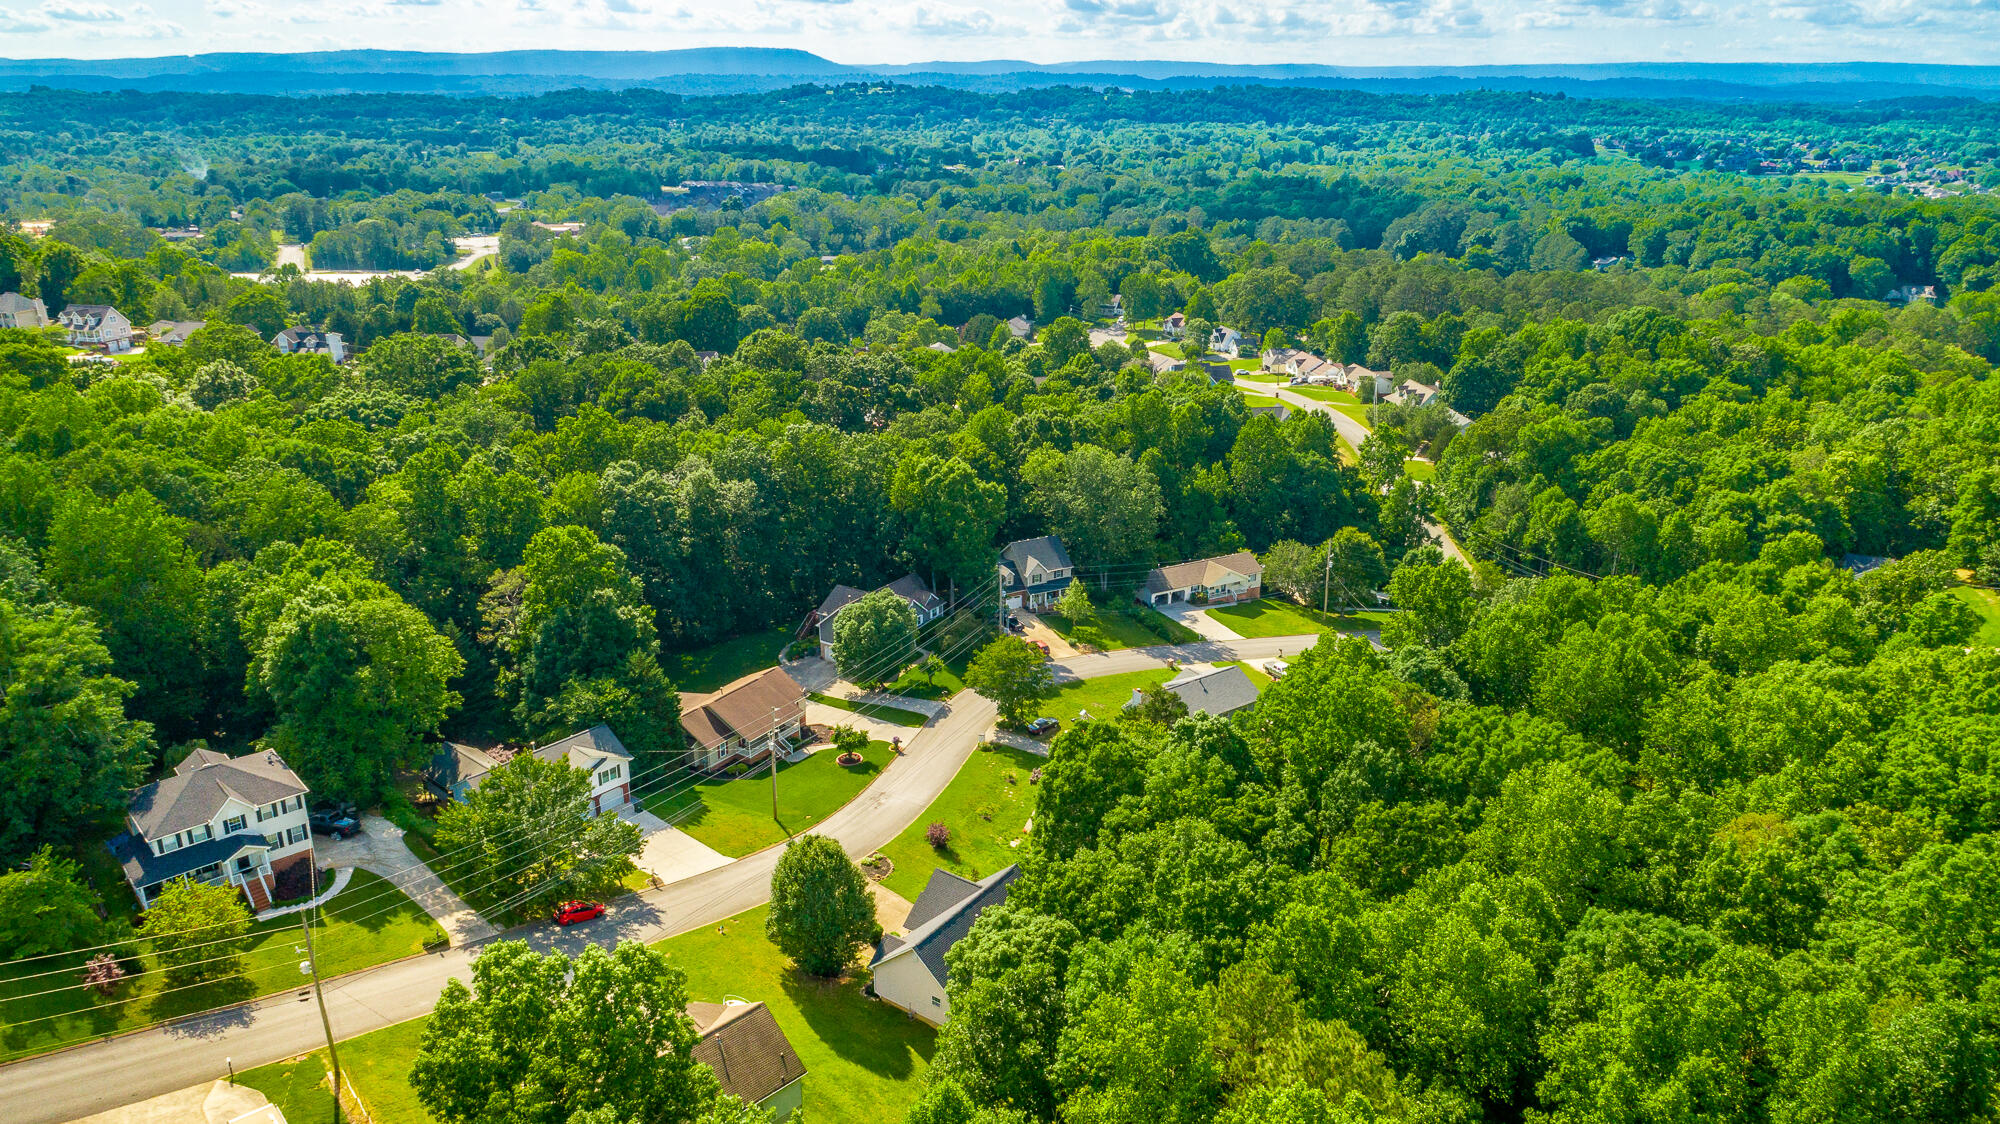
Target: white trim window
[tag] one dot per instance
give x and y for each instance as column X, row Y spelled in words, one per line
column 297, row 834
column 606, row 776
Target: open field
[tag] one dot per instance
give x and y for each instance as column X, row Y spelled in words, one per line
column 1986, row 603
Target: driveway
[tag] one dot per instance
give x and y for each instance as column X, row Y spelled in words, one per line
column 1196, row 618
column 668, row 853
column 380, row 849
column 1033, row 628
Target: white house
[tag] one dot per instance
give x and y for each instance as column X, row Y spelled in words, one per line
column 1175, row 326
column 1222, row 580
column 458, row 769
column 97, row 326
column 311, row 341
column 744, row 723
column 1021, row 328
column 174, row 332
column 234, row 821
column 1034, row 572
column 1225, row 341
column 910, row 970
column 17, row 311
column 911, row 588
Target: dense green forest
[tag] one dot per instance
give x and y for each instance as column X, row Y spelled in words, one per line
column 1658, row 812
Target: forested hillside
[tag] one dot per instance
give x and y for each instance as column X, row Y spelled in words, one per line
column 1666, row 808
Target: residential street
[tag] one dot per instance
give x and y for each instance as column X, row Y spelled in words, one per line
column 1356, row 433
column 63, row 1086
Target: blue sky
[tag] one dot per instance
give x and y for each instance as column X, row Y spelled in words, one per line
column 1341, row 32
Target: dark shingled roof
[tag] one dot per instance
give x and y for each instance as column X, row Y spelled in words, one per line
column 203, row 782
column 947, row 916
column 1221, row 691
column 746, row 711
column 741, row 1042
column 144, row 868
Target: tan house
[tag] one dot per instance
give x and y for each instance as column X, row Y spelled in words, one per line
column 910, row 969
column 458, row 769
column 745, row 722
column 17, row 311
column 751, row 1057
column 96, row 326
column 1223, row 580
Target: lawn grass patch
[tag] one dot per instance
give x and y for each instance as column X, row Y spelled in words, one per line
column 1255, row 673
column 1420, row 470
column 1986, row 603
column 894, row 715
column 1270, row 617
column 712, row 668
column 376, row 1064
column 1108, row 631
column 1326, row 394
column 864, row 1060
column 733, row 814
column 1260, row 401
column 370, row 922
column 1103, row 697
column 985, row 811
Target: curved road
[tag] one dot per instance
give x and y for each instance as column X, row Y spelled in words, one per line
column 101, row 1075
column 1355, row 433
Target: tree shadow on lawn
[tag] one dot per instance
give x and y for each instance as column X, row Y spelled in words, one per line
column 868, row 1033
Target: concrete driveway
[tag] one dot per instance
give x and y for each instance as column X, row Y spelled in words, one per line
column 380, row 849
column 1193, row 616
column 668, row 853
column 1033, row 628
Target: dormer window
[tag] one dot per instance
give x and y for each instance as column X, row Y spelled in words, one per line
column 232, row 825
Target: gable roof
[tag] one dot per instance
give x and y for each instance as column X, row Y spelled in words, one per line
column 586, row 749
column 144, row 868
column 458, row 762
column 939, row 930
column 1047, row 550
column 745, row 711
column 1221, row 691
column 909, row 587
column 1204, row 572
column 202, row 783
column 741, row 1042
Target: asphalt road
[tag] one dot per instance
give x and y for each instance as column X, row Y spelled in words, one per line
column 86, row 1079
column 1356, row 433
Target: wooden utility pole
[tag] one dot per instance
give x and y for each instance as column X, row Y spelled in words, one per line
column 312, row 963
column 773, row 749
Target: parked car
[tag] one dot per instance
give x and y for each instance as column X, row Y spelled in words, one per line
column 1276, row 669
column 1013, row 623
column 334, row 822
column 1043, row 727
column 1043, row 647
column 569, row 913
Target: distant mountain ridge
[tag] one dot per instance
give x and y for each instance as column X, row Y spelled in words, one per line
column 718, row 70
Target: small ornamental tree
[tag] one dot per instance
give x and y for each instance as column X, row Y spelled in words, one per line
column 197, row 929
column 821, row 912
column 1074, row 605
column 1013, row 674
column 103, row 973
column 938, row 835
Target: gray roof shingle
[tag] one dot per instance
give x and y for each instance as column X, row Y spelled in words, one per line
column 743, row 1044
column 1222, row 691
column 937, row 932
column 203, row 782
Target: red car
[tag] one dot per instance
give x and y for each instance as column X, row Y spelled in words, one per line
column 569, row 913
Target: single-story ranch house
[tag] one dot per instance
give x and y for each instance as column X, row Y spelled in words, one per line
column 745, row 722
column 1223, row 580
column 910, row 969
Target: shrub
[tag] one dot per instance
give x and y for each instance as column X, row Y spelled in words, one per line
column 103, row 972
column 299, row 880
column 938, row 835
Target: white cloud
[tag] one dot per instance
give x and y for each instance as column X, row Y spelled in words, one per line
column 22, row 23
column 81, row 13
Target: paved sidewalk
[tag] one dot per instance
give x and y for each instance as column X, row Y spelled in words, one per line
column 380, row 849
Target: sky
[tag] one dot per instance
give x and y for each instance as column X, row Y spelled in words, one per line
column 1337, row 32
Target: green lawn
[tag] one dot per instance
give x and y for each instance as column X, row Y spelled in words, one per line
column 714, row 667
column 1256, row 674
column 1326, row 394
column 733, row 815
column 1103, row 698
column 1270, row 617
column 1109, row 631
column 1259, row 400
column 370, row 922
column 1420, row 470
column 1986, row 603
column 894, row 715
column 985, row 806
column 376, row 1064
column 864, row 1060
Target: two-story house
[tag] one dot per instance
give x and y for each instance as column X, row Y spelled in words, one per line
column 1034, row 572
column 235, row 821
column 17, row 311
column 97, row 326
column 311, row 341
column 911, row 588
column 458, row 769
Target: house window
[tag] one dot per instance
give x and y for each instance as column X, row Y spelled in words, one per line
column 169, row 845
column 609, row 775
column 232, row 825
column 296, row 834
column 936, row 1002
column 266, row 812
column 200, row 834
column 277, row 840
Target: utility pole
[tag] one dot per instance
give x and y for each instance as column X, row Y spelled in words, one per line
column 312, row 962
column 774, row 769
column 1326, row 582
